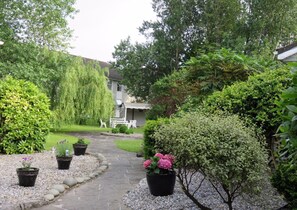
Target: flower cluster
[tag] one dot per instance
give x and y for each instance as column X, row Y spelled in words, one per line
column 159, row 164
column 27, row 161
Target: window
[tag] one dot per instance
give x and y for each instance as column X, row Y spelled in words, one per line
column 119, row 87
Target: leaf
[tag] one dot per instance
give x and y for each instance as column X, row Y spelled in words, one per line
column 292, row 108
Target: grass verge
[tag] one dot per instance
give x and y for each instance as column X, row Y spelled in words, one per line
column 130, row 145
column 53, row 138
column 81, row 128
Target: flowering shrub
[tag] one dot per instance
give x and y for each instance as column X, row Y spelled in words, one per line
column 159, row 164
column 27, row 161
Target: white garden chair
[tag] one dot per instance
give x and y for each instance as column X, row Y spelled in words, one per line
column 102, row 124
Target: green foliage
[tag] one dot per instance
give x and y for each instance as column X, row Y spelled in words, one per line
column 220, row 148
column 288, row 129
column 254, row 99
column 83, row 94
column 129, row 131
column 44, row 23
column 115, row 130
column 81, row 141
column 64, row 149
column 122, row 128
column 24, row 117
column 184, row 27
column 201, row 76
column 285, row 180
column 149, row 140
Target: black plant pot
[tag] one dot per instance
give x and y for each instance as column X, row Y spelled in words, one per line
column 64, row 162
column 161, row 184
column 27, row 177
column 79, row 149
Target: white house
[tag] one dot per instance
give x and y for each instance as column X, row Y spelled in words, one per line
column 126, row 106
column 287, row 53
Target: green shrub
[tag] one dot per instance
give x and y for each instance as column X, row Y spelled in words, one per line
column 24, row 117
column 285, row 180
column 255, row 99
column 129, row 131
column 219, row 147
column 122, row 128
column 149, row 141
column 285, row 176
column 115, row 130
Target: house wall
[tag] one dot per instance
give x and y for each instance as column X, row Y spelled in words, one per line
column 292, row 58
column 139, row 116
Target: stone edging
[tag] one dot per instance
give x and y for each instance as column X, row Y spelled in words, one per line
column 69, row 182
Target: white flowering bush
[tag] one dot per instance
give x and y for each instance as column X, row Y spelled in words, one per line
column 220, row 148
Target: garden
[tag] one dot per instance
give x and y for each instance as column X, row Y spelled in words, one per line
column 221, row 132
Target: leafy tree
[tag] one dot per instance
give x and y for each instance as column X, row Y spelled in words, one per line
column 200, row 77
column 38, row 65
column 83, row 94
column 41, row 22
column 218, row 149
column 182, row 28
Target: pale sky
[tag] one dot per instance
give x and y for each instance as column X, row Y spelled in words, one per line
column 102, row 24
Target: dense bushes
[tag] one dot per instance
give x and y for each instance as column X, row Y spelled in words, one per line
column 285, row 180
column 220, row 148
column 255, row 99
column 285, row 176
column 200, row 76
column 24, row 117
column 149, row 141
column 121, row 128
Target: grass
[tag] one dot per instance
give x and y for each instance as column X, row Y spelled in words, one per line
column 138, row 130
column 129, row 145
column 53, row 138
column 81, row 128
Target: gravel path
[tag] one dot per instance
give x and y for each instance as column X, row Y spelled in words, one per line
column 140, row 199
column 12, row 195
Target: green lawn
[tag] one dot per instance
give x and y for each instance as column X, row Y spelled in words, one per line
column 81, row 128
column 130, row 145
column 53, row 138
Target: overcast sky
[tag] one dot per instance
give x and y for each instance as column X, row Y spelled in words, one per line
column 102, row 24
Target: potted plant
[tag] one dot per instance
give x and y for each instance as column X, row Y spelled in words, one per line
column 160, row 175
column 80, row 147
column 64, row 153
column 27, row 174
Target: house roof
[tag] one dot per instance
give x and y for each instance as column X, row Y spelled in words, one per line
column 137, row 106
column 286, row 51
column 113, row 74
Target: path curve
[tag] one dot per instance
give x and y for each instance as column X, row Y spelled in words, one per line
column 106, row 191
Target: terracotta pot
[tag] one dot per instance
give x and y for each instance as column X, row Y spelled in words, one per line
column 161, row 184
column 64, row 162
column 27, row 176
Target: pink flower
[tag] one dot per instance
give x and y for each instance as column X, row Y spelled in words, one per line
column 169, row 157
column 164, row 164
column 147, row 163
column 159, row 155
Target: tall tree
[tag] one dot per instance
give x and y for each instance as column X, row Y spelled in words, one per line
column 83, row 94
column 42, row 22
column 184, row 27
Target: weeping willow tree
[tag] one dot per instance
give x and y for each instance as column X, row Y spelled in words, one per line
column 83, row 94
